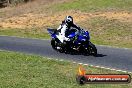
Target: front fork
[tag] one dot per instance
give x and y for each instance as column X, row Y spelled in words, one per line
column 83, row 48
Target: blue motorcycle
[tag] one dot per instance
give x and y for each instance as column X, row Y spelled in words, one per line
column 79, row 43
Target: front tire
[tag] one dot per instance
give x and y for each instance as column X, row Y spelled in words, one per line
column 92, row 49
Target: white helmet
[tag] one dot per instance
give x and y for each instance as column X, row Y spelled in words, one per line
column 69, row 20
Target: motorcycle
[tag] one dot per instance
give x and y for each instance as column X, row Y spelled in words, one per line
column 79, row 42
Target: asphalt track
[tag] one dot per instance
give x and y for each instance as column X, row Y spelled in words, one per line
column 117, row 58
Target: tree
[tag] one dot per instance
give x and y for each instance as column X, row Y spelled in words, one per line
column 4, row 3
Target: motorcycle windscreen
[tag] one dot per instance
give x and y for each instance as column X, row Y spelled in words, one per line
column 84, row 35
column 81, row 38
column 88, row 36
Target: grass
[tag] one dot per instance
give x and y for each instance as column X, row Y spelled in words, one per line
column 94, row 5
column 27, row 33
column 19, row 70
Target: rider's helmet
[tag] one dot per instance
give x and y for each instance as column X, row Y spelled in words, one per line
column 69, row 20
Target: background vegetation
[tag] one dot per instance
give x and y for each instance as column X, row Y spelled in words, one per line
column 4, row 3
column 108, row 21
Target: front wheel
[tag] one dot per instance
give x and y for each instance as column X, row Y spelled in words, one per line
column 92, row 49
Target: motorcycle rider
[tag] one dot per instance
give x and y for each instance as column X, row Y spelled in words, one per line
column 66, row 26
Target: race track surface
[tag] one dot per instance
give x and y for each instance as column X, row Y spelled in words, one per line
column 116, row 58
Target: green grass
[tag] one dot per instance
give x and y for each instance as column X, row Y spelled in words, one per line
column 19, row 70
column 94, row 5
column 27, row 33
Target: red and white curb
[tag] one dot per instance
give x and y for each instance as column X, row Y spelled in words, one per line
column 118, row 70
column 104, row 68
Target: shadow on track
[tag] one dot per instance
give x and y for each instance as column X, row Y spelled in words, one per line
column 76, row 53
column 100, row 55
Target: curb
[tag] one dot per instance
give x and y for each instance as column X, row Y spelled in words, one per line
column 112, row 69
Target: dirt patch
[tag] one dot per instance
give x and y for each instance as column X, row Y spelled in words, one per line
column 31, row 20
column 39, row 20
column 121, row 16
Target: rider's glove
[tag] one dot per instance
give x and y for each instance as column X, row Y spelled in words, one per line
column 67, row 39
